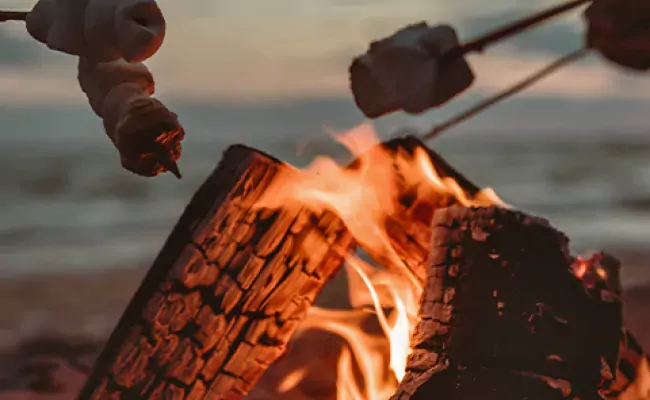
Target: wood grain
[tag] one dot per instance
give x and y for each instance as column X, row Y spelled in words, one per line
column 225, row 294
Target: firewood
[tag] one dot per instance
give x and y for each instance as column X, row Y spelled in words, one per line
column 409, row 227
column 225, row 294
column 600, row 275
column 501, row 309
column 409, row 231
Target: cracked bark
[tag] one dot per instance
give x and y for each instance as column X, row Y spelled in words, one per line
column 224, row 295
column 501, row 315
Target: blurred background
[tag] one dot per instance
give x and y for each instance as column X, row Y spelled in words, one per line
column 77, row 231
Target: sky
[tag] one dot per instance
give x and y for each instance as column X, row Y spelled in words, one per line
column 266, row 51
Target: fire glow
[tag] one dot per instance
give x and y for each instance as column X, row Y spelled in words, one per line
column 364, row 196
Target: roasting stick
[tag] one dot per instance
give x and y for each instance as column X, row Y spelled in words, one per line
column 420, row 67
column 479, row 44
column 527, row 82
column 476, row 45
column 13, row 16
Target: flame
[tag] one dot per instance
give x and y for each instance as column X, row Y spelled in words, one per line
column 364, row 196
column 292, row 380
column 640, row 388
column 371, row 364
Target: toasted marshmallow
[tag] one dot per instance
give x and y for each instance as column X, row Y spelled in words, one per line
column 146, row 134
column 99, row 30
column 405, row 72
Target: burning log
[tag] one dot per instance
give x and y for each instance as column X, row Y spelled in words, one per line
column 502, row 316
column 409, row 226
column 409, row 231
column 600, row 275
column 224, row 295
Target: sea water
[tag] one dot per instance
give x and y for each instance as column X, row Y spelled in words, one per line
column 67, row 205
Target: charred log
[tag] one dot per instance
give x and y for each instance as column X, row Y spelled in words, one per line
column 503, row 316
column 409, row 227
column 225, row 294
column 409, row 230
column 600, row 275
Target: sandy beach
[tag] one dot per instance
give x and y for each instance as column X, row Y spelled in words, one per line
column 54, row 326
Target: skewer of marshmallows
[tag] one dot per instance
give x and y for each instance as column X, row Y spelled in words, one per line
column 112, row 38
column 421, row 67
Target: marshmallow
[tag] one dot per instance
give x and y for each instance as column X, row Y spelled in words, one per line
column 39, row 20
column 404, row 72
column 99, row 30
column 98, row 79
column 146, row 134
column 618, row 30
column 129, row 29
column 58, row 24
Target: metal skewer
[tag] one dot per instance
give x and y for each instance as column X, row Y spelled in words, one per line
column 527, row 82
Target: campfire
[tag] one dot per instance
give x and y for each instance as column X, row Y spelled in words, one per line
column 451, row 292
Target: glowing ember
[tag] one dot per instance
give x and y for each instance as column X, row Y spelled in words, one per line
column 364, row 196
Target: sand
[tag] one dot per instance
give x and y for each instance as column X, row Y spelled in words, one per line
column 52, row 327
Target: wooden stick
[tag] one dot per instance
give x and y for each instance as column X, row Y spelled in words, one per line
column 13, row 16
column 479, row 44
column 524, row 84
column 225, row 294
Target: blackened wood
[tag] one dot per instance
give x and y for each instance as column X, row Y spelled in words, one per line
column 500, row 297
column 409, row 230
column 224, row 295
column 484, row 383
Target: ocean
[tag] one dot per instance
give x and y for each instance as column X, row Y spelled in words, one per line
column 66, row 205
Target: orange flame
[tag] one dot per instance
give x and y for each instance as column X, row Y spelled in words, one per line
column 640, row 388
column 371, row 365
